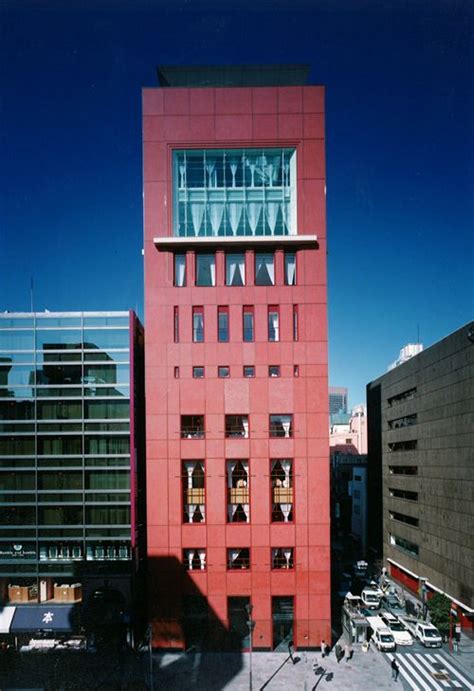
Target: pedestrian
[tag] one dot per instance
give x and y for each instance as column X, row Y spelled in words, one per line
column 291, row 648
column 323, row 648
column 395, row 669
column 327, row 649
column 349, row 652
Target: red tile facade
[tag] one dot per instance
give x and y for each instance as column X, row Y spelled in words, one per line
column 177, row 118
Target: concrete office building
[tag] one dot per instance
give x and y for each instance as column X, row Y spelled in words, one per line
column 236, row 350
column 421, row 420
column 71, row 468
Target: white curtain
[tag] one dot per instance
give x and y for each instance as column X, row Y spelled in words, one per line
column 286, row 427
column 202, row 558
column 287, row 553
column 216, row 211
column 254, row 209
column 286, row 509
column 210, row 167
column 230, row 469
column 245, row 425
column 191, row 511
column 273, row 323
column 286, row 466
column 234, row 211
column 190, row 559
column 290, row 261
column 197, row 215
column 270, row 264
column 231, row 269
column 234, row 554
column 189, row 470
column 246, row 508
column 272, row 214
column 212, row 269
column 284, row 213
column 180, row 269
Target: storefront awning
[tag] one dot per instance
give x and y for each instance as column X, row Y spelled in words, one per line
column 43, row 617
column 6, row 617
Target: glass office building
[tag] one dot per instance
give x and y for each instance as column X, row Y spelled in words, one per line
column 71, row 456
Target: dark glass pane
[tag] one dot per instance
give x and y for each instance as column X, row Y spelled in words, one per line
column 59, row 446
column 17, row 446
column 17, row 375
column 59, row 410
column 110, row 479
column 18, row 515
column 59, row 374
column 16, row 481
column 60, row 515
column 107, row 515
column 60, row 480
column 107, row 445
column 17, row 410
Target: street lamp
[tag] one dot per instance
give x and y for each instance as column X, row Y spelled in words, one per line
column 251, row 625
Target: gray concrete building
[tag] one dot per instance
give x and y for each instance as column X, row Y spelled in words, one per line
column 421, row 441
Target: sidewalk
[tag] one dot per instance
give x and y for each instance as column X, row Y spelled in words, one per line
column 271, row 671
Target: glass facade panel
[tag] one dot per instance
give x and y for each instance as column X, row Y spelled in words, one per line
column 107, row 515
column 59, row 374
column 16, row 375
column 17, row 340
column 60, row 480
column 17, row 446
column 59, row 410
column 16, row 481
column 107, row 445
column 117, row 479
column 111, row 320
column 103, row 339
column 234, row 192
column 59, row 339
column 17, row 410
column 60, row 515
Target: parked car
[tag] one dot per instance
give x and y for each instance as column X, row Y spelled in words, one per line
column 392, row 600
column 400, row 633
column 428, row 635
column 371, row 596
column 383, row 640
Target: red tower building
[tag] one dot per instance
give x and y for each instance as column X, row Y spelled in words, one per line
column 236, row 358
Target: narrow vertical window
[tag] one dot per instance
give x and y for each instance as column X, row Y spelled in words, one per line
column 264, row 269
column 176, row 372
column 273, row 323
column 180, row 270
column 290, row 268
column 295, row 323
column 235, row 269
column 205, row 270
column 248, row 323
column 198, row 324
column 176, row 324
column 223, row 324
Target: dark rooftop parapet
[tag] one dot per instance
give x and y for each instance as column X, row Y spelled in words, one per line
column 233, row 75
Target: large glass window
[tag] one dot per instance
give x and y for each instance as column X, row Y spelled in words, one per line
column 235, row 269
column 234, row 192
column 264, row 269
column 194, row 493
column 281, row 426
column 205, row 270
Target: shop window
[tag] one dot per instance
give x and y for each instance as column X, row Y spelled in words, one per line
column 281, row 426
column 237, row 426
column 238, row 504
column 192, row 426
column 238, row 558
column 281, row 478
column 194, row 497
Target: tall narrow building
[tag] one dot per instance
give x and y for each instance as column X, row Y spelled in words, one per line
column 236, row 353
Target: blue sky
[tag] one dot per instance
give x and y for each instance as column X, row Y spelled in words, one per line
column 400, row 152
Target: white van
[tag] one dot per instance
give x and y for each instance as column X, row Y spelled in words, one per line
column 371, row 597
column 384, row 640
column 428, row 635
column 401, row 635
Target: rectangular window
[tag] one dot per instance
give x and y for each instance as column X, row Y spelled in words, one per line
column 273, row 323
column 194, row 497
column 274, row 371
column 403, row 518
column 290, row 268
column 264, row 269
column 198, row 372
column 282, row 558
column 405, row 545
column 409, row 445
column 223, row 372
column 192, row 426
column 238, row 497
column 176, row 324
column 237, row 426
column 238, row 558
column 194, row 559
column 295, row 323
column 205, row 270
column 234, row 192
column 198, row 324
column 404, row 396
column 180, row 270
column 281, row 479
column 235, row 269
column 403, row 469
column 296, row 370
column 249, row 371
column 248, row 323
column 176, row 372
column 405, row 421
column 281, row 426
column 223, row 324
column 403, row 494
